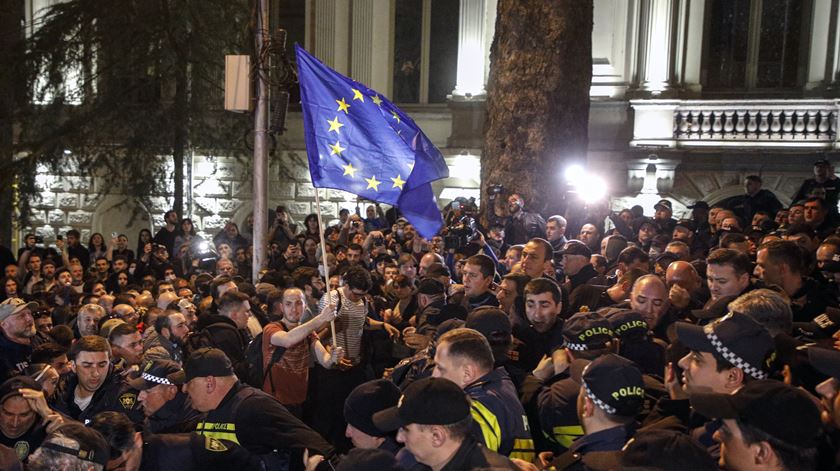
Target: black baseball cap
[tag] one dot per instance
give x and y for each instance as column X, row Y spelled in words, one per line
column 687, row 223
column 716, row 309
column 11, row 387
column 203, row 362
column 699, row 205
column 586, row 331
column 823, row 326
column 155, row 373
column 782, row 411
column 642, row 221
column 825, row 360
column 613, row 383
column 822, row 162
column 575, row 247
column 427, row 401
column 664, row 204
column 736, row 338
column 490, row 321
column 367, row 399
column 437, row 269
column 627, row 323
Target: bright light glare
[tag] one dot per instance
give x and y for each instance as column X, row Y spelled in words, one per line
column 592, row 188
column 203, row 247
column 574, row 173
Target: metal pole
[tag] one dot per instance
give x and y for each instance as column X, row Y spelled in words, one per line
column 324, row 259
column 260, row 143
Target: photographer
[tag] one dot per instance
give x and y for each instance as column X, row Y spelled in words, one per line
column 520, row 225
column 281, row 231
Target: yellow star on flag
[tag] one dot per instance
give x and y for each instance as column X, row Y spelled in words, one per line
column 343, row 106
column 335, row 125
column 372, row 183
column 357, row 95
column 398, row 182
column 394, row 113
column 349, row 170
column 376, row 100
column 336, row 148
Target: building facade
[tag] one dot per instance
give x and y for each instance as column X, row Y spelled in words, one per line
column 688, row 97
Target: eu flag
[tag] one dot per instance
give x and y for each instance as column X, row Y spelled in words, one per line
column 358, row 141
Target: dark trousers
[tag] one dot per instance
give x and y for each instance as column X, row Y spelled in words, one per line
column 324, row 410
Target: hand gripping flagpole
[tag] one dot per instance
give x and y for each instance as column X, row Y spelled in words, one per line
column 324, row 260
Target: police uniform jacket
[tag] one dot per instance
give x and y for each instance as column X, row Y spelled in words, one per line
column 611, row 439
column 176, row 416
column 472, row 455
column 259, row 423
column 557, row 410
column 114, row 395
column 499, row 416
column 190, row 451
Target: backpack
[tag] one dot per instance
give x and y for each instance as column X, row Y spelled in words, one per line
column 256, row 374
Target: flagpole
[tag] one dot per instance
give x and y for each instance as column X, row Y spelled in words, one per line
column 324, row 259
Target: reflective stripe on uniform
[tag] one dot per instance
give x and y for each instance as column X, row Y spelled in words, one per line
column 523, row 449
column 490, row 428
column 219, row 431
column 566, row 434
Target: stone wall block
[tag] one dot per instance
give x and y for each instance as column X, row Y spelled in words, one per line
column 80, row 218
column 212, row 224
column 244, row 189
column 206, row 206
column 79, row 184
column 68, row 200
column 228, row 206
column 328, row 210
column 305, row 190
column 212, row 187
column 281, row 190
column 47, row 232
column 299, row 210
column 46, row 200
column 56, row 217
column 159, row 204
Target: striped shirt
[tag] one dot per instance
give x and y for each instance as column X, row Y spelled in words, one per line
column 350, row 324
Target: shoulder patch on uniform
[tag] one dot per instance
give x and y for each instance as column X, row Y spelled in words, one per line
column 127, row 400
column 211, row 444
column 22, row 449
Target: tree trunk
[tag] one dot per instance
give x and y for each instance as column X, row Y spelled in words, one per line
column 537, row 98
column 11, row 38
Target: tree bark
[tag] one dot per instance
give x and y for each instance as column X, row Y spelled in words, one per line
column 537, row 97
column 11, row 39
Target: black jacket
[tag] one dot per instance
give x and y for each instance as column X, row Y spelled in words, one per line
column 14, row 357
column 114, row 395
column 260, row 424
column 190, row 451
column 472, row 455
column 175, row 416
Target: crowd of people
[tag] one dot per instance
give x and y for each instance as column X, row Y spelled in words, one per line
column 593, row 340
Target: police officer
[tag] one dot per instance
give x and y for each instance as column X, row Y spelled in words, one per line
column 244, row 415
column 611, row 394
column 24, row 416
column 586, row 335
column 464, row 357
column 166, row 407
column 136, row 451
column 435, row 424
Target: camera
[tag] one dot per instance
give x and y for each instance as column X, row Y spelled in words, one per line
column 460, row 233
column 494, row 190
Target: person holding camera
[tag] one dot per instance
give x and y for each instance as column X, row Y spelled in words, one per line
column 281, row 230
column 520, row 225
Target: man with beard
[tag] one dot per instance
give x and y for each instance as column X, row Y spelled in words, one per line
column 521, row 225
column 18, row 332
column 166, row 235
column 96, row 385
column 172, row 329
column 47, row 281
column 167, row 409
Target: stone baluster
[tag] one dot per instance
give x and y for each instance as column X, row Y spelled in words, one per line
column 728, row 125
column 812, row 122
column 764, row 124
column 740, row 124
column 776, row 123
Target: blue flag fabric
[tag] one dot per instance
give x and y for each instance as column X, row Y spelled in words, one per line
column 359, row 142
